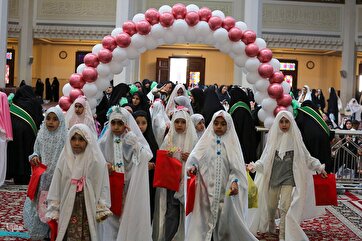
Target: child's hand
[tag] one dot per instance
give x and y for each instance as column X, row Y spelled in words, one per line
column 110, row 168
column 184, row 156
column 234, row 189
column 151, row 166
column 35, row 161
column 192, row 170
column 324, row 174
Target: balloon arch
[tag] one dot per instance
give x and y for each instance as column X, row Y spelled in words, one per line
column 181, row 23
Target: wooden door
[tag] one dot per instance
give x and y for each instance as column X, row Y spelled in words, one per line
column 196, row 64
column 162, row 70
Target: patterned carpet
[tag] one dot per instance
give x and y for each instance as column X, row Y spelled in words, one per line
column 339, row 223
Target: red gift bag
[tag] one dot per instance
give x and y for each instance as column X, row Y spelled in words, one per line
column 167, row 172
column 53, row 225
column 116, row 182
column 325, row 190
column 191, row 191
column 36, row 172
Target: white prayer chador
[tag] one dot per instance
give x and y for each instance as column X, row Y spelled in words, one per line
column 303, row 199
column 185, row 102
column 91, row 165
column 160, row 121
column 196, row 118
column 135, row 153
column 170, row 107
column 219, row 162
column 177, row 143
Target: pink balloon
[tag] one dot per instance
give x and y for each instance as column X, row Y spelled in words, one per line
column 285, row 100
column 278, row 109
column 228, row 23
column 76, row 81
column 205, row 14
column 166, row 19
column 89, row 74
column 235, row 34
column 265, row 70
column 277, row 77
column 265, row 55
column 143, row 27
column 129, row 27
column 251, row 50
column 275, row 91
column 123, row 40
column 91, row 60
column 249, row 36
column 105, row 56
column 75, row 93
column 192, row 18
column 179, row 11
column 109, row 42
column 65, row 103
column 215, row 23
column 152, row 16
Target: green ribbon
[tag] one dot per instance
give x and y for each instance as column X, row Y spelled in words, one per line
column 312, row 113
column 19, row 112
column 237, row 105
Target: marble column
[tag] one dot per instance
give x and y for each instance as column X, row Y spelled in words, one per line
column 3, row 39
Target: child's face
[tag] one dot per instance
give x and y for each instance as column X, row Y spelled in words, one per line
column 180, row 92
column 220, row 126
column 136, row 100
column 142, row 123
column 200, row 126
column 52, row 121
column 180, row 125
column 284, row 124
column 348, row 125
column 117, row 127
column 78, row 144
column 79, row 108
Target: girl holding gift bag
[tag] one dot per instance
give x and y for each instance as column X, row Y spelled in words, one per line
column 284, row 173
column 169, row 215
column 127, row 151
column 48, row 145
column 78, row 196
column 221, row 197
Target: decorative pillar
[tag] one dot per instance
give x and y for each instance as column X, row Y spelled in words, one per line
column 348, row 68
column 3, row 39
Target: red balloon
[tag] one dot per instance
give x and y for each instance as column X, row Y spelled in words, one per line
column 285, row 100
column 266, row 70
column 228, row 23
column 105, row 56
column 192, row 18
column 166, row 19
column 123, row 40
column 265, row 55
column 277, row 77
column 65, row 103
column 235, row 34
column 251, row 50
column 278, row 109
column 75, row 93
column 215, row 23
column 89, row 74
column 91, row 60
column 76, row 81
column 152, row 16
column 143, row 27
column 249, row 36
column 205, row 14
column 275, row 91
column 129, row 27
column 179, row 11
column 109, row 42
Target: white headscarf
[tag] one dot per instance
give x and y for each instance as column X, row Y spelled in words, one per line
column 196, row 118
column 185, row 102
column 171, row 102
column 307, row 96
column 160, row 120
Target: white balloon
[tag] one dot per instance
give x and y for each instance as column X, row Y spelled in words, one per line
column 286, row 87
column 138, row 17
column 142, row 50
column 151, row 43
column 109, row 77
column 66, row 89
column 169, row 37
column 161, row 41
column 103, row 69
column 92, row 102
column 191, row 35
column 132, row 52
column 179, row 27
column 115, row 67
column 275, row 63
column 157, row 31
column 102, row 84
column 116, row 31
column 233, row 55
column 269, row 121
column 90, row 90
column 99, row 95
column 138, row 41
column 262, row 85
column 125, row 62
column 203, row 29
column 119, row 54
column 252, row 77
column 96, row 48
column 226, row 47
column 221, row 35
column 260, row 43
column 80, row 68
column 269, row 104
column 260, row 96
column 262, row 115
column 244, row 70
column 238, row 47
column 192, row 7
column 218, row 13
column 165, row 9
column 241, row 25
column 240, row 60
column 181, row 39
column 290, row 109
column 252, row 64
column 209, row 39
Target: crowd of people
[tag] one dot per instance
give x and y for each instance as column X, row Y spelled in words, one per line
column 98, row 183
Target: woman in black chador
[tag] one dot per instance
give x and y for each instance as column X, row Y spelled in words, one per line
column 55, row 89
column 48, row 90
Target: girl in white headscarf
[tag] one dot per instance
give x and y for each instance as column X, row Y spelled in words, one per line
column 48, row 145
column 127, row 151
column 284, row 172
column 199, row 123
column 179, row 90
column 78, row 196
column 305, row 95
column 184, row 101
column 160, row 120
column 221, row 200
column 169, row 215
